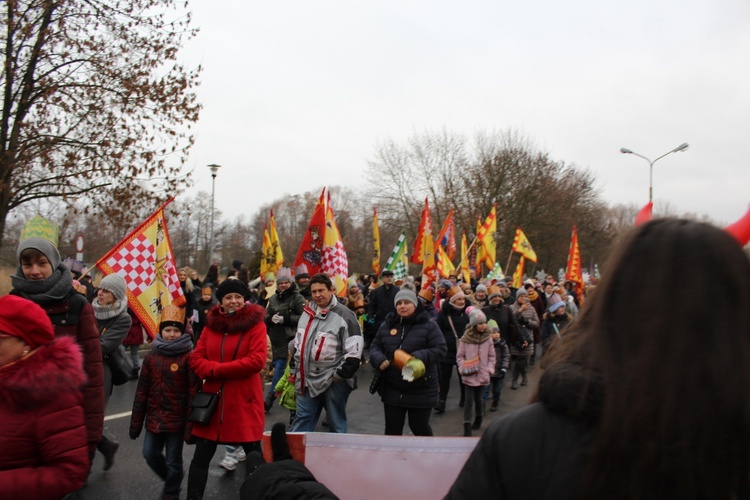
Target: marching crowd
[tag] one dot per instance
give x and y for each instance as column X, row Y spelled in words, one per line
column 202, row 380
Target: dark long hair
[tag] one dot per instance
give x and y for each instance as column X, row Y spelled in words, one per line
column 674, row 367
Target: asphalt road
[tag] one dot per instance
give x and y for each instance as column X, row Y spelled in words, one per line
column 131, row 478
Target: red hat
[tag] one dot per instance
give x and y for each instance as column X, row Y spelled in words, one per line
column 25, row 319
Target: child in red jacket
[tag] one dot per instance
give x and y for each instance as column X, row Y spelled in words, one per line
column 165, row 388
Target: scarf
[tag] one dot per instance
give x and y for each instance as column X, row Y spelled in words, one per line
column 533, row 295
column 47, row 291
column 472, row 336
column 109, row 311
column 176, row 347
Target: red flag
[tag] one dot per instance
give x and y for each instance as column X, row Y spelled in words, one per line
column 310, row 251
column 447, row 237
column 573, row 271
column 645, row 214
column 424, row 231
column 740, row 230
column 145, row 259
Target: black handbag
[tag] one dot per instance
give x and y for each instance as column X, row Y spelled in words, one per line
column 204, row 403
column 203, row 406
column 119, row 366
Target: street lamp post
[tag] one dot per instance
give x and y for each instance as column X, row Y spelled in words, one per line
column 681, row 147
column 214, row 168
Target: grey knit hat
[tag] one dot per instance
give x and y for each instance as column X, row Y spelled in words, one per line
column 116, row 284
column 521, row 291
column 45, row 246
column 481, row 288
column 476, row 316
column 406, row 294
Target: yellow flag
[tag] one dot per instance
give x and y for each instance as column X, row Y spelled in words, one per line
column 518, row 275
column 466, row 276
column 444, row 264
column 277, row 256
column 479, row 256
column 266, row 253
column 375, row 243
column 521, row 245
column 486, row 235
column 144, row 258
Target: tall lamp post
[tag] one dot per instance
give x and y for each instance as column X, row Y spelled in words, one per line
column 681, row 147
column 214, row 168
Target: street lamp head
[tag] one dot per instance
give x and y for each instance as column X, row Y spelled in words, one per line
column 626, row 151
column 214, row 167
column 681, row 147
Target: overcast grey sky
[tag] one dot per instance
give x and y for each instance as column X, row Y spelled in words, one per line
column 297, row 94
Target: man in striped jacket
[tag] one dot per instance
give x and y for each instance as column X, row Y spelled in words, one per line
column 327, row 351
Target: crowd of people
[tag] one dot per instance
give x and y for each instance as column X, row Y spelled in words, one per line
column 612, row 371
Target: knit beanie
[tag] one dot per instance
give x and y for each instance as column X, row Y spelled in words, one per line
column 283, row 274
column 232, row 286
column 456, row 295
column 492, row 324
column 116, row 284
column 521, row 291
column 25, row 319
column 476, row 316
column 45, row 246
column 481, row 288
column 553, row 300
column 555, row 306
column 406, row 294
column 447, row 284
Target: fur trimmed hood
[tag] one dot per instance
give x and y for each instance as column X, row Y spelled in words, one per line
column 244, row 319
column 53, row 368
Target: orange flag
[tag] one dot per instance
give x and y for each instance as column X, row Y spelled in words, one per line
column 573, row 271
column 375, row 243
column 465, row 274
column 423, row 233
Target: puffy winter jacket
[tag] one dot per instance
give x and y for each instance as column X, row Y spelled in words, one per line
column 420, row 336
column 239, row 416
column 43, row 448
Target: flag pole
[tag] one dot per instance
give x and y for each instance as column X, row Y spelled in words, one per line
column 510, row 255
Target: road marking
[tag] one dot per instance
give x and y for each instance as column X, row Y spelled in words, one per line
column 128, row 413
column 117, row 415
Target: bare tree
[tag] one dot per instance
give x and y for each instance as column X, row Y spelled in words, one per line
column 93, row 96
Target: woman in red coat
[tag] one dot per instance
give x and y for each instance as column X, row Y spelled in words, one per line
column 43, row 450
column 231, row 351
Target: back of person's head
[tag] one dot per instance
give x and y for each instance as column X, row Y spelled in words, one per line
column 675, row 416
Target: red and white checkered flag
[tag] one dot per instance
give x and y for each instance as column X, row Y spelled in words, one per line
column 144, row 258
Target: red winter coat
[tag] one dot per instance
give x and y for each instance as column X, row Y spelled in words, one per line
column 239, row 416
column 43, row 449
column 74, row 317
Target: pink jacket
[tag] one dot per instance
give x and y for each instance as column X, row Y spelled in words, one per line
column 486, row 353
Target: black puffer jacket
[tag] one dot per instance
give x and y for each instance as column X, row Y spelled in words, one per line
column 420, row 336
column 460, row 319
column 539, row 451
column 289, row 304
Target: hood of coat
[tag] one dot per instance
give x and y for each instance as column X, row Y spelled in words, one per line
column 572, row 390
column 241, row 321
column 53, row 368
